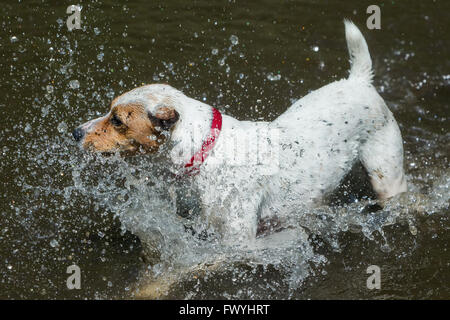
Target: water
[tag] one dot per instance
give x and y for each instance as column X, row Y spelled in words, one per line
column 61, row 206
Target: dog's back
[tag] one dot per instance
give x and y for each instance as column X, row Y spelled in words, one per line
column 325, row 132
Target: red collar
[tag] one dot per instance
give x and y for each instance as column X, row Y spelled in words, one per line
column 193, row 166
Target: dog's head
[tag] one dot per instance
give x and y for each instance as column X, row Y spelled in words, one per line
column 137, row 121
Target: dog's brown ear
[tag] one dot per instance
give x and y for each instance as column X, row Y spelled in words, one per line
column 164, row 117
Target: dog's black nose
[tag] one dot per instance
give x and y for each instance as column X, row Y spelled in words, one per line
column 78, row 134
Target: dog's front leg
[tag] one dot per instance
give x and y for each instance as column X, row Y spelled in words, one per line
column 234, row 218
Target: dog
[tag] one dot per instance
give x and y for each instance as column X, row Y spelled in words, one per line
column 312, row 146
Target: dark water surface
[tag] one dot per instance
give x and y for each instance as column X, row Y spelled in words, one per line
column 250, row 59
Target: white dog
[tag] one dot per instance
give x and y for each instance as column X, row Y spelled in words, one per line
column 306, row 151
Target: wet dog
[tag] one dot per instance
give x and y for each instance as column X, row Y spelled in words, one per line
column 247, row 172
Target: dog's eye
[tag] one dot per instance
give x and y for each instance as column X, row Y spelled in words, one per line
column 115, row 121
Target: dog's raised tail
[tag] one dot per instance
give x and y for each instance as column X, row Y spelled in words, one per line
column 361, row 64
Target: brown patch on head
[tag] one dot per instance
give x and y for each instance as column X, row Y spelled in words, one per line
column 164, row 118
column 126, row 127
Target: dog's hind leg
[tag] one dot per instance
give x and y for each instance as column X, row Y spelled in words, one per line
column 160, row 287
column 155, row 288
column 382, row 157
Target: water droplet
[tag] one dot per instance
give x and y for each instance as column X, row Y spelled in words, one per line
column 234, row 40
column 273, row 77
column 62, row 127
column 74, row 84
column 54, row 243
column 27, row 128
